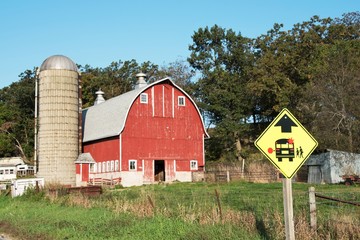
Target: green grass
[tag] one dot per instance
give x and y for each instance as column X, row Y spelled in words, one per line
column 179, row 211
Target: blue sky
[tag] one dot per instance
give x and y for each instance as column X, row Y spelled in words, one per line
column 99, row 32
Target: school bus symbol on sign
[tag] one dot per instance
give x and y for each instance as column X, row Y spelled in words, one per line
column 286, row 143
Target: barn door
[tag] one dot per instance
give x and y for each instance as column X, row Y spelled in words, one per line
column 159, row 171
column 314, row 174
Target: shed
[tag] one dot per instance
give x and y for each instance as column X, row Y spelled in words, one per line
column 330, row 165
column 153, row 133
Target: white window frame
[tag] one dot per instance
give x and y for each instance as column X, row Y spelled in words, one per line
column 99, row 167
column 112, row 165
column 103, row 166
column 181, row 101
column 93, row 167
column 144, row 98
column 194, row 165
column 107, row 166
column 116, row 165
column 130, row 165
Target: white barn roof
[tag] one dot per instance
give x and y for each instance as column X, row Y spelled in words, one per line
column 107, row 119
column 14, row 161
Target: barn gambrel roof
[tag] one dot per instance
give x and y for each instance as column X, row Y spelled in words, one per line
column 108, row 119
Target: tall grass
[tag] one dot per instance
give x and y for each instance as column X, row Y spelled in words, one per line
column 180, row 211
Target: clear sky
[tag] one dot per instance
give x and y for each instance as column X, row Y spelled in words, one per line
column 100, row 32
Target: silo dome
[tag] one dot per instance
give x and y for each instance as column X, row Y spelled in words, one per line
column 59, row 62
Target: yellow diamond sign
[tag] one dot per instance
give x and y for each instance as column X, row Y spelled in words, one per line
column 286, row 143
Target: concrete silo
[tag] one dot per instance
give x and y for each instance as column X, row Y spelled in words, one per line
column 57, row 145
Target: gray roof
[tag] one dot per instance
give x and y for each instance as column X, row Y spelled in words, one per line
column 85, row 158
column 58, row 62
column 14, row 161
column 107, row 119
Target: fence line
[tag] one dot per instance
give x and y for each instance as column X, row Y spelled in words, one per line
column 231, row 175
column 336, row 200
column 312, row 205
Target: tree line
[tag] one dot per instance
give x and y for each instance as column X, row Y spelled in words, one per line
column 240, row 84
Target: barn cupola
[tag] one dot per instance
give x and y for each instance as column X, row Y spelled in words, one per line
column 140, row 80
column 99, row 97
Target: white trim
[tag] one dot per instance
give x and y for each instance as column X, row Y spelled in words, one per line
column 174, row 166
column 152, row 103
column 153, row 170
column 203, row 150
column 143, row 166
column 163, row 101
column 173, row 102
column 120, row 152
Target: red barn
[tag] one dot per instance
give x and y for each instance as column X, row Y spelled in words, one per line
column 153, row 133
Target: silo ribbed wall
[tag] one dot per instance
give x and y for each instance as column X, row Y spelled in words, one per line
column 58, row 125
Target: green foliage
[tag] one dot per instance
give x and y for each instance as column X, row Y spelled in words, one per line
column 245, row 83
column 333, row 94
column 17, row 104
column 223, row 58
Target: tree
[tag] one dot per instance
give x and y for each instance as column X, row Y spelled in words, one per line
column 331, row 100
column 17, row 104
column 118, row 78
column 179, row 72
column 222, row 57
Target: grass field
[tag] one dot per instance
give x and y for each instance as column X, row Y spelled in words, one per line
column 236, row 210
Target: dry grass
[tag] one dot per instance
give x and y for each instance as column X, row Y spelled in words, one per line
column 270, row 226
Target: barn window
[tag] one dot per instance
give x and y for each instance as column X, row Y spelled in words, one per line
column 143, row 98
column 1, row 172
column 193, row 165
column 99, row 167
column 11, row 171
column 108, row 166
column 132, row 164
column 93, row 167
column 116, row 165
column 104, row 167
column 112, row 165
column 181, row 101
